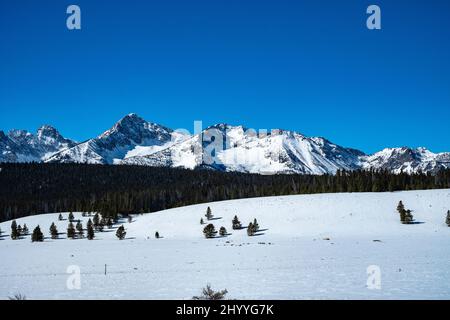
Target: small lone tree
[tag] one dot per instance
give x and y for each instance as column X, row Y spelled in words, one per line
column 37, row 235
column 71, row 217
column 14, row 233
column 223, row 232
column 53, row 231
column 209, row 231
column 90, row 231
column 157, row 235
column 208, row 214
column 447, row 220
column 120, row 233
column 130, row 219
column 60, row 217
column 70, row 231
column 209, row 294
column 25, row 230
column 236, row 223
column 201, row 221
column 79, row 228
column 250, row 230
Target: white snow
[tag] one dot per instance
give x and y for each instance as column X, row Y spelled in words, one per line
column 290, row 260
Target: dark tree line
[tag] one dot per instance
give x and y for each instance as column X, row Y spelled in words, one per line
column 35, row 188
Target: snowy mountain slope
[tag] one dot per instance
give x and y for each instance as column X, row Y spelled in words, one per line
column 130, row 135
column 23, row 146
column 407, row 160
column 246, row 151
column 311, row 247
column 132, row 140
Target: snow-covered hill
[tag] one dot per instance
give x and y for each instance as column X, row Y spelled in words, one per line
column 309, row 247
column 132, row 140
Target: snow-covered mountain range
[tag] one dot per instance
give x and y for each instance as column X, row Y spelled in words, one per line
column 132, row 140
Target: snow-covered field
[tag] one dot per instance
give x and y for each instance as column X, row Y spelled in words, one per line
column 312, row 247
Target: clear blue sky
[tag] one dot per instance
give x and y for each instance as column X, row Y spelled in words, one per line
column 310, row 66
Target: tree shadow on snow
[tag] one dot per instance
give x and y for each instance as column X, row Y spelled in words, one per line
column 215, row 218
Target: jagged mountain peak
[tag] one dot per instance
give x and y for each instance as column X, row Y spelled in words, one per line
column 133, row 140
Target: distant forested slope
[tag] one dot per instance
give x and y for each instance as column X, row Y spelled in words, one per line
column 35, row 188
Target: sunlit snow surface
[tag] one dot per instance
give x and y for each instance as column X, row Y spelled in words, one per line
column 290, row 260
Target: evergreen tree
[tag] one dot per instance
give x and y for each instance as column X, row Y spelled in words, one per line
column 79, row 228
column 84, row 214
column 53, row 231
column 71, row 217
column 209, row 231
column 14, row 233
column 96, row 220
column 70, row 231
column 120, row 233
column 250, row 229
column 236, row 223
column 208, row 214
column 19, row 230
column 130, row 219
column 255, row 225
column 157, row 235
column 400, row 207
column 222, row 231
column 25, row 229
column 89, row 223
column 60, row 217
column 201, row 221
column 90, row 231
column 447, row 221
column 408, row 217
column 37, row 235
column 109, row 223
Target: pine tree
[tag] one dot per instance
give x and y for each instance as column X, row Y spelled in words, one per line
column 255, row 226
column 53, row 231
column 90, row 231
column 209, row 231
column 250, row 230
column 208, row 214
column 79, row 228
column 25, row 229
column 236, row 223
column 130, row 219
column 89, row 223
column 19, row 230
column 71, row 217
column 222, row 231
column 400, row 207
column 14, row 233
column 37, row 235
column 70, row 231
column 157, row 235
column 447, row 221
column 408, row 217
column 201, row 221
column 120, row 233
column 109, row 223
column 60, row 217
column 96, row 220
